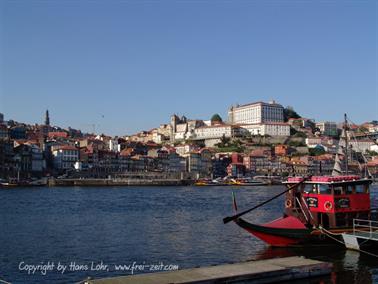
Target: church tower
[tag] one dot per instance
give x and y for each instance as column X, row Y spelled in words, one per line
column 47, row 118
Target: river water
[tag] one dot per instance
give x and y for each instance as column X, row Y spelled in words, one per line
column 108, row 231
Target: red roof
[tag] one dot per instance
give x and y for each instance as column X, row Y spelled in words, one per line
column 67, row 148
column 127, row 152
column 58, row 134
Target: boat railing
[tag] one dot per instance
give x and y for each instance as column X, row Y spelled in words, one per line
column 366, row 228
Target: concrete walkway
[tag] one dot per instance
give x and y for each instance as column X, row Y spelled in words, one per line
column 261, row 271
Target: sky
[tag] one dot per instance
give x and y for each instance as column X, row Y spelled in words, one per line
column 127, row 66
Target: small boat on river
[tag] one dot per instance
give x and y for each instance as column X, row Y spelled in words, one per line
column 229, row 182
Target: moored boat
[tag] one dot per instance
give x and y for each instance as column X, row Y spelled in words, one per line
column 229, row 182
column 317, row 211
column 268, row 179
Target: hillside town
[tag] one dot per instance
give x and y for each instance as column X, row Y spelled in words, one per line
column 256, row 139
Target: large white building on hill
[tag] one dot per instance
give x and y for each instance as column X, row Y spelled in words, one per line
column 258, row 112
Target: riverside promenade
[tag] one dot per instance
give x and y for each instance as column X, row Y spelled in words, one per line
column 132, row 179
column 262, row 271
column 118, row 182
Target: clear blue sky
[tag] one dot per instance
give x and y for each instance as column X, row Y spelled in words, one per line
column 128, row 65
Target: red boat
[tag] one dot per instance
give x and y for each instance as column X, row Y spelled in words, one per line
column 317, row 211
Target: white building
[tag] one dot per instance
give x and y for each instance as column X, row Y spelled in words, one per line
column 258, row 112
column 185, row 149
column 182, row 128
column 214, row 131
column 361, row 145
column 327, row 128
column 373, row 128
column 312, row 142
column 271, row 129
column 65, row 157
column 374, row 148
column 114, row 146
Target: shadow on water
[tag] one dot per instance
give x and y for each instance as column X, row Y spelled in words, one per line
column 348, row 266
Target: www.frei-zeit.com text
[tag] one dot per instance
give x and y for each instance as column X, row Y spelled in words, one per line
column 132, row 267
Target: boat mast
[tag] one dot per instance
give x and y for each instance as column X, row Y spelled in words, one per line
column 346, row 143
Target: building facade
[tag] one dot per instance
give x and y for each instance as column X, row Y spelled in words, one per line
column 271, row 129
column 64, row 157
column 258, row 112
column 327, row 128
column 214, row 131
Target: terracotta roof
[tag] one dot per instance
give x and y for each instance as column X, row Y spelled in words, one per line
column 67, row 147
column 127, row 152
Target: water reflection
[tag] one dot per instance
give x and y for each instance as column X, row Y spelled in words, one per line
column 147, row 224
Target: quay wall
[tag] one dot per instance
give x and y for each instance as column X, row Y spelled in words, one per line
column 119, row 182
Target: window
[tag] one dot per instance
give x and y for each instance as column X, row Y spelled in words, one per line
column 349, row 189
column 337, row 190
column 324, row 189
column 310, row 188
column 361, row 188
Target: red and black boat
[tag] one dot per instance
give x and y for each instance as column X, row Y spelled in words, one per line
column 317, row 210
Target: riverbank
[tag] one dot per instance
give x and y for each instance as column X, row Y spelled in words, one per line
column 119, row 182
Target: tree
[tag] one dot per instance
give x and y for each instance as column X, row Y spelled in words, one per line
column 289, row 112
column 216, row 118
column 317, row 151
column 300, row 134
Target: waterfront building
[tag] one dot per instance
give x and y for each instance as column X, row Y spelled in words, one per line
column 236, row 170
column 38, row 161
column 64, row 157
column 1, row 118
column 4, row 133
column 327, row 128
column 7, row 162
column 23, row 159
column 200, row 162
column 17, row 132
column 176, row 163
column 220, row 164
column 113, row 145
column 258, row 112
column 257, row 161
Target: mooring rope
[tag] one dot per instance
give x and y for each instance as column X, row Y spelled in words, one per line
column 5, row 282
column 330, row 235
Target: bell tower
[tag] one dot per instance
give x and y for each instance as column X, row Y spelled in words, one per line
column 47, row 118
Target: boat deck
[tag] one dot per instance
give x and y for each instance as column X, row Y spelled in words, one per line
column 363, row 231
